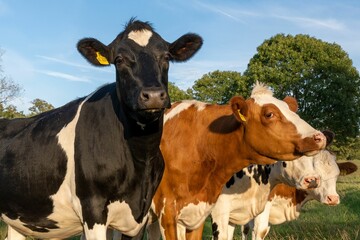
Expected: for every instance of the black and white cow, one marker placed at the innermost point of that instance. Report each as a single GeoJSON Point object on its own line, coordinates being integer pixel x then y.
{"type": "Point", "coordinates": [95, 162]}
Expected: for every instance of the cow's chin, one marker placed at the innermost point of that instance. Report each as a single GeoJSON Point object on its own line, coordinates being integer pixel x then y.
{"type": "Point", "coordinates": [311, 153]}
{"type": "Point", "coordinates": [148, 115]}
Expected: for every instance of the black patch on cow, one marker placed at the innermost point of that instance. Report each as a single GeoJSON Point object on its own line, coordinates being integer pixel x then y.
{"type": "Point", "coordinates": [240, 174]}
{"type": "Point", "coordinates": [261, 174]}
{"type": "Point", "coordinates": [250, 168]}
{"type": "Point", "coordinates": [246, 229]}
{"type": "Point", "coordinates": [44, 226]}
{"type": "Point", "coordinates": [33, 165]}
{"type": "Point", "coordinates": [118, 163]}
{"type": "Point", "coordinates": [230, 182]}
{"type": "Point", "coordinates": [215, 231]}
{"type": "Point", "coordinates": [284, 164]}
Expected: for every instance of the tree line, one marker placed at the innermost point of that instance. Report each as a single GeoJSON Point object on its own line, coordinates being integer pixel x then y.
{"type": "Point", "coordinates": [320, 75]}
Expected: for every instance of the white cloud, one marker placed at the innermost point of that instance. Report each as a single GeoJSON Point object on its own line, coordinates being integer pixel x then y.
{"type": "Point", "coordinates": [52, 59]}
{"type": "Point", "coordinates": [65, 76]}
{"type": "Point", "coordinates": [312, 22]}
{"type": "Point", "coordinates": [219, 10]}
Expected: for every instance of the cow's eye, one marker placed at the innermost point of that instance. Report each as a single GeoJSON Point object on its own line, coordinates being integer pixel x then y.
{"type": "Point", "coordinates": [119, 59]}
{"type": "Point", "coordinates": [269, 115]}
{"type": "Point", "coordinates": [167, 56]}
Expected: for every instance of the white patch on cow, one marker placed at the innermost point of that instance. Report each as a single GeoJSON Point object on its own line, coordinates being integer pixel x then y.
{"type": "Point", "coordinates": [281, 210]}
{"type": "Point", "coordinates": [193, 215]}
{"type": "Point", "coordinates": [185, 104]}
{"type": "Point", "coordinates": [141, 37]}
{"type": "Point", "coordinates": [97, 232]}
{"type": "Point", "coordinates": [263, 95]}
{"type": "Point", "coordinates": [126, 223]}
{"type": "Point", "coordinates": [67, 207]}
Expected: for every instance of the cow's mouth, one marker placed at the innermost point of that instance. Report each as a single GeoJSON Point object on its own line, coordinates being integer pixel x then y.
{"type": "Point", "coordinates": [154, 110]}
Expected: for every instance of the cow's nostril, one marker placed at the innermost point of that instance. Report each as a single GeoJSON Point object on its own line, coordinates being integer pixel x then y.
{"type": "Point", "coordinates": [319, 137]}
{"type": "Point", "coordinates": [145, 96]}
{"type": "Point", "coordinates": [311, 182]}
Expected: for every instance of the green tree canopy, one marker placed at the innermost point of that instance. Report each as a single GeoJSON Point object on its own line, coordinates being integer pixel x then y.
{"type": "Point", "coordinates": [219, 87]}
{"type": "Point", "coordinates": [318, 74]}
{"type": "Point", "coordinates": [176, 94]}
{"type": "Point", "coordinates": [39, 106]}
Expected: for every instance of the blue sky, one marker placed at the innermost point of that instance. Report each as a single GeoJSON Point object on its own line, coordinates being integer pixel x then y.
{"type": "Point", "coordinates": [39, 37]}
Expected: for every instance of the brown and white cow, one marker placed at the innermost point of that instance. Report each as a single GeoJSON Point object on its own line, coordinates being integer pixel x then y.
{"type": "Point", "coordinates": [204, 145]}
{"type": "Point", "coordinates": [245, 197]}
{"type": "Point", "coordinates": [285, 202]}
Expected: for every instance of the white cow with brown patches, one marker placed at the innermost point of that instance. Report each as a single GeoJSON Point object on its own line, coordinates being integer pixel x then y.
{"type": "Point", "coordinates": [285, 203]}
{"type": "Point", "coordinates": [245, 198]}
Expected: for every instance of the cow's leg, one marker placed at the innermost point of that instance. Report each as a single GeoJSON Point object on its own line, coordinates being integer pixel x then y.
{"type": "Point", "coordinates": [96, 233]}
{"type": "Point", "coordinates": [167, 222]}
{"type": "Point", "coordinates": [153, 231]}
{"type": "Point", "coordinates": [261, 223]}
{"type": "Point", "coordinates": [181, 232]}
{"type": "Point", "coordinates": [14, 235]}
{"type": "Point", "coordinates": [230, 231]}
{"type": "Point", "coordinates": [195, 234]}
{"type": "Point", "coordinates": [220, 223]}
{"type": "Point", "coordinates": [245, 229]}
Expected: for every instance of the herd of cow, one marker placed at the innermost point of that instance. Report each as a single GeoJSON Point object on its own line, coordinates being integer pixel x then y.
{"type": "Point", "coordinates": [124, 160]}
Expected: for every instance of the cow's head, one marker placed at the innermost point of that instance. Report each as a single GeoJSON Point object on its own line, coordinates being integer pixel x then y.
{"type": "Point", "coordinates": [329, 171]}
{"type": "Point", "coordinates": [273, 129]}
{"type": "Point", "coordinates": [141, 59]}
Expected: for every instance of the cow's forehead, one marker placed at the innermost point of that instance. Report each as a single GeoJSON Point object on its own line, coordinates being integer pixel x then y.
{"type": "Point", "coordinates": [325, 163]}
{"type": "Point", "coordinates": [141, 37]}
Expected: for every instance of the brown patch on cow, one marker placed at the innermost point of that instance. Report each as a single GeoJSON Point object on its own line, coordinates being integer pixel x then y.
{"type": "Point", "coordinates": [285, 191]}
{"type": "Point", "coordinates": [347, 168]}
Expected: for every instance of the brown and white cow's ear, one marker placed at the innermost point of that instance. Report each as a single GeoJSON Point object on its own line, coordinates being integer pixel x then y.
{"type": "Point", "coordinates": [292, 103]}
{"type": "Point", "coordinates": [94, 51]}
{"type": "Point", "coordinates": [185, 47]}
{"type": "Point", "coordinates": [347, 168]}
{"type": "Point", "coordinates": [329, 136]}
{"type": "Point", "coordinates": [239, 108]}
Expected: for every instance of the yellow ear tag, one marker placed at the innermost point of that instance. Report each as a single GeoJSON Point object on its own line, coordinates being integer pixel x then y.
{"type": "Point", "coordinates": [102, 60]}
{"type": "Point", "coordinates": [242, 117]}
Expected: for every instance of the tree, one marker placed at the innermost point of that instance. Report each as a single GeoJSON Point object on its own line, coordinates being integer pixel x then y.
{"type": "Point", "coordinates": [219, 87]}
{"type": "Point", "coordinates": [10, 111]}
{"type": "Point", "coordinates": [176, 94]}
{"type": "Point", "coordinates": [318, 74]}
{"type": "Point", "coordinates": [8, 88]}
{"type": "Point", "coordinates": [39, 106]}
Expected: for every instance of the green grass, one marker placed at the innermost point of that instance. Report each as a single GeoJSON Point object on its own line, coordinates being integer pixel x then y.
{"type": "Point", "coordinates": [317, 221]}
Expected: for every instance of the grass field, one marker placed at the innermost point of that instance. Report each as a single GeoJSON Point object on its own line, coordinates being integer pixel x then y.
{"type": "Point", "coordinates": [317, 221]}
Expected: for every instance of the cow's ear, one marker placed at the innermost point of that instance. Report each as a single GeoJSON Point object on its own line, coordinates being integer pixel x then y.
{"type": "Point", "coordinates": [239, 108]}
{"type": "Point", "coordinates": [292, 103]}
{"type": "Point", "coordinates": [347, 168]}
{"type": "Point", "coordinates": [185, 47]}
{"type": "Point", "coordinates": [329, 136]}
{"type": "Point", "coordinates": [94, 51]}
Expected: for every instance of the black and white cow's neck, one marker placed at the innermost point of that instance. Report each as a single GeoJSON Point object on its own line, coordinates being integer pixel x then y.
{"type": "Point", "coordinates": [142, 147]}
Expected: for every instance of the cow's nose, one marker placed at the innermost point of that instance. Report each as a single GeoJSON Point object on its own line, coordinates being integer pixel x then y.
{"type": "Point", "coordinates": [320, 139]}
{"type": "Point", "coordinates": [332, 200]}
{"type": "Point", "coordinates": [154, 98]}
{"type": "Point", "coordinates": [311, 182]}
